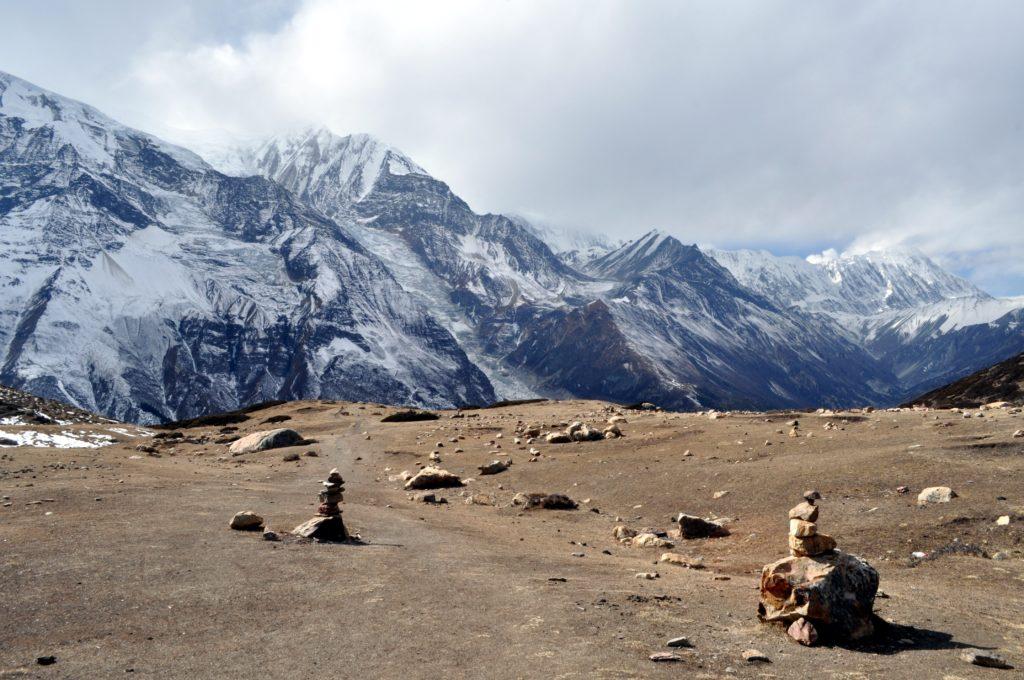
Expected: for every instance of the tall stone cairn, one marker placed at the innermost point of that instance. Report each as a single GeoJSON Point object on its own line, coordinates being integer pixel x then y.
{"type": "Point", "coordinates": [818, 590]}
{"type": "Point", "coordinates": [327, 525]}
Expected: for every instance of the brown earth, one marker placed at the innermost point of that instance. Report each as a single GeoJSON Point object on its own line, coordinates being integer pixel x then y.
{"type": "Point", "coordinates": [128, 565]}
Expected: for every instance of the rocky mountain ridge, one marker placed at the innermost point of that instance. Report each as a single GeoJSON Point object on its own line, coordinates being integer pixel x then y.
{"type": "Point", "coordinates": [335, 266]}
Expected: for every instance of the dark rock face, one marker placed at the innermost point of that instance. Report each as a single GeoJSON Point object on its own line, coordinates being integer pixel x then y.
{"type": "Point", "coordinates": [1002, 382]}
{"type": "Point", "coordinates": [185, 291]}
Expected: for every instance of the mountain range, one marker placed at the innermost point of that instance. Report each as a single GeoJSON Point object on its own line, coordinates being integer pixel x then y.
{"type": "Point", "coordinates": [148, 283]}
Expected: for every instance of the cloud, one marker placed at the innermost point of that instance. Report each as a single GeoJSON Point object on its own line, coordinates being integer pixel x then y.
{"type": "Point", "coordinates": [791, 126]}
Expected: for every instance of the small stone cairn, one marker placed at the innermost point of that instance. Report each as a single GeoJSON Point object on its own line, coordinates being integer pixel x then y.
{"type": "Point", "coordinates": [818, 590]}
{"type": "Point", "coordinates": [327, 525]}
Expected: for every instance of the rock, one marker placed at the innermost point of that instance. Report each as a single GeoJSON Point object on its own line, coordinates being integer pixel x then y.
{"type": "Point", "coordinates": [648, 540]}
{"type": "Point", "coordinates": [330, 529]}
{"type": "Point", "coordinates": [267, 439]}
{"type": "Point", "coordinates": [246, 521]}
{"type": "Point", "coordinates": [479, 499]}
{"type": "Point", "coordinates": [719, 494]}
{"type": "Point", "coordinates": [1018, 434]}
{"type": "Point", "coordinates": [585, 433]}
{"type": "Point", "coordinates": [433, 478]}
{"type": "Point", "coordinates": [46, 660]}
{"type": "Point", "coordinates": [411, 415]}
{"type": "Point", "coordinates": [834, 591]}
{"type": "Point", "coordinates": [557, 501]}
{"type": "Point", "coordinates": [269, 535]}
{"type": "Point", "coordinates": [682, 560]}
{"type": "Point", "coordinates": [802, 529]}
{"type": "Point", "coordinates": [986, 659]}
{"type": "Point", "coordinates": [558, 438]}
{"type": "Point", "coordinates": [694, 527]}
{"type": "Point", "coordinates": [811, 496]}
{"type": "Point", "coordinates": [805, 511]}
{"type": "Point", "coordinates": [493, 468]}
{"type": "Point", "coordinates": [1003, 521]}
{"type": "Point", "coordinates": [754, 656]}
{"type": "Point", "coordinates": [811, 546]}
{"type": "Point", "coordinates": [936, 494]}
{"type": "Point", "coordinates": [679, 642]}
{"type": "Point", "coordinates": [615, 420]}
{"type": "Point", "coordinates": [290, 457]}
{"type": "Point", "coordinates": [622, 533]}
{"type": "Point", "coordinates": [647, 575]}
{"type": "Point", "coordinates": [7, 441]}
{"type": "Point", "coordinates": [430, 497]}
{"type": "Point", "coordinates": [665, 657]}
{"type": "Point", "coordinates": [803, 631]}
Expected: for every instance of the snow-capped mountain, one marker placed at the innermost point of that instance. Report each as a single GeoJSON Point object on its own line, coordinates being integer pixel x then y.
{"type": "Point", "coordinates": [575, 247]}
{"type": "Point", "coordinates": [480, 275]}
{"type": "Point", "coordinates": [141, 283]}
{"type": "Point", "coordinates": [313, 264]}
{"type": "Point", "coordinates": [859, 285]}
{"type": "Point", "coordinates": [683, 319]}
{"type": "Point", "coordinates": [926, 325]}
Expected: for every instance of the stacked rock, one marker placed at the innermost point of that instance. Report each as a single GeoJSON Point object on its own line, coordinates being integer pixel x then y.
{"type": "Point", "coordinates": [818, 588]}
{"type": "Point", "coordinates": [804, 539]}
{"type": "Point", "coordinates": [327, 525]}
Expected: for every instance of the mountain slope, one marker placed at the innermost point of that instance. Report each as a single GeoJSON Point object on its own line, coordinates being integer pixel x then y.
{"type": "Point", "coordinates": [699, 327]}
{"type": "Point", "coordinates": [482, 276]}
{"type": "Point", "coordinates": [184, 290]}
{"type": "Point", "coordinates": [1001, 382]}
{"type": "Point", "coordinates": [923, 324]}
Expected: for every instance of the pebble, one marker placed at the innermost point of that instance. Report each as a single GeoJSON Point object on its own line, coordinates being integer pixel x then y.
{"type": "Point", "coordinates": [679, 642]}
{"type": "Point", "coordinates": [665, 657]}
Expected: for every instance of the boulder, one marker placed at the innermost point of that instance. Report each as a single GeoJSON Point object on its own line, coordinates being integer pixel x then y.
{"type": "Point", "coordinates": [585, 433]}
{"type": "Point", "coordinates": [323, 529]}
{"type": "Point", "coordinates": [835, 592]}
{"type": "Point", "coordinates": [493, 468]}
{"type": "Point", "coordinates": [985, 659]}
{"type": "Point", "coordinates": [409, 416]}
{"type": "Point", "coordinates": [682, 560]}
{"type": "Point", "coordinates": [647, 540]}
{"type": "Point", "coordinates": [622, 533]}
{"type": "Point", "coordinates": [246, 520]}
{"type": "Point", "coordinates": [558, 438]}
{"type": "Point", "coordinates": [935, 494]}
{"type": "Point", "coordinates": [433, 478]}
{"type": "Point", "coordinates": [695, 527]}
{"type": "Point", "coordinates": [264, 440]}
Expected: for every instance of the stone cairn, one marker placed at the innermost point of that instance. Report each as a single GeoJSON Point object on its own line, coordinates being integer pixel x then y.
{"type": "Point", "coordinates": [327, 525]}
{"type": "Point", "coordinates": [818, 590]}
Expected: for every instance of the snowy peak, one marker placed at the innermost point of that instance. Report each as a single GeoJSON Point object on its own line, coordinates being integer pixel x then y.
{"type": "Point", "coordinates": [652, 252]}
{"type": "Point", "coordinates": [58, 123]}
{"type": "Point", "coordinates": [317, 164]}
{"type": "Point", "coordinates": [866, 283]}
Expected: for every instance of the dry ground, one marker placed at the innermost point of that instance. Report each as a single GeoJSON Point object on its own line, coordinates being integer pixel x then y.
{"type": "Point", "coordinates": [128, 566]}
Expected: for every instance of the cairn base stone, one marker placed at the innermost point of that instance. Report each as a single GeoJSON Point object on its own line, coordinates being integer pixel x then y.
{"type": "Point", "coordinates": [323, 529]}
{"type": "Point", "coordinates": [835, 592]}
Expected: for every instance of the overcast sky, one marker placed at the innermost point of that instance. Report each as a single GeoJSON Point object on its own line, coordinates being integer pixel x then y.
{"type": "Point", "coordinates": [791, 126]}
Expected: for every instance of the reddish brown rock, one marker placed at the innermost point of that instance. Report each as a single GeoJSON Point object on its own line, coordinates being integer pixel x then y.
{"type": "Point", "coordinates": [834, 591]}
